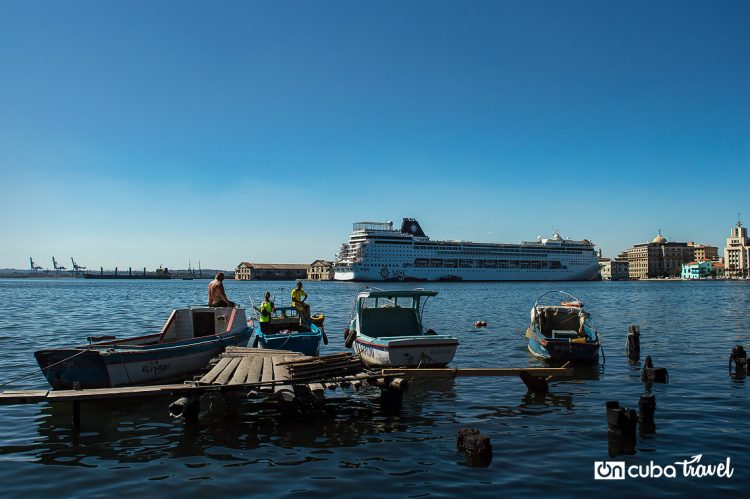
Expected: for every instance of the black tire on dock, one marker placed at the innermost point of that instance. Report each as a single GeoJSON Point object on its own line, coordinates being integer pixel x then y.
{"type": "Point", "coordinates": [349, 338]}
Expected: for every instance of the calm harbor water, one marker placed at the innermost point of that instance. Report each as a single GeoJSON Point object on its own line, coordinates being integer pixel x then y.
{"type": "Point", "coordinates": [544, 445]}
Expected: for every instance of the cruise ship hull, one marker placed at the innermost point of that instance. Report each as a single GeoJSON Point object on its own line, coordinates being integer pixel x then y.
{"type": "Point", "coordinates": [585, 274]}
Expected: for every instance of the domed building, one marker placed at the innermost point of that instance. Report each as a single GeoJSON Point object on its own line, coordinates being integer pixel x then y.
{"type": "Point", "coordinates": [659, 258]}
{"type": "Point", "coordinates": [659, 239]}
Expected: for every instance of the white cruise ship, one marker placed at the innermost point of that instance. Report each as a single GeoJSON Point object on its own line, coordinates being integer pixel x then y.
{"type": "Point", "coordinates": [378, 252]}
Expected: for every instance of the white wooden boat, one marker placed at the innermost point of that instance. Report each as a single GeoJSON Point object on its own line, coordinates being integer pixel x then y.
{"type": "Point", "coordinates": [187, 342]}
{"type": "Point", "coordinates": [386, 331]}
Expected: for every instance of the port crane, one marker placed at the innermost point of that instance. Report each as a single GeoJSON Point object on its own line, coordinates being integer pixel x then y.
{"type": "Point", "coordinates": [76, 267]}
{"type": "Point", "coordinates": [34, 267]}
{"type": "Point", "coordinates": [57, 267]}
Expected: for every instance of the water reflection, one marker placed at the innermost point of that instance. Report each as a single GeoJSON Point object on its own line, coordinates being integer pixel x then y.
{"type": "Point", "coordinates": [140, 430]}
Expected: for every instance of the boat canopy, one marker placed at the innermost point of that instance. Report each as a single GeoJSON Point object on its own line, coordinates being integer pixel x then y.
{"type": "Point", "coordinates": [397, 294]}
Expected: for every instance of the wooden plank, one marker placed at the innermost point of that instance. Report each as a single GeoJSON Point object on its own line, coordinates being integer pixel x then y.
{"type": "Point", "coordinates": [267, 374]}
{"type": "Point", "coordinates": [255, 371]}
{"type": "Point", "coordinates": [225, 375]}
{"type": "Point", "coordinates": [328, 372]}
{"type": "Point", "coordinates": [120, 392]}
{"type": "Point", "coordinates": [479, 371]}
{"type": "Point", "coordinates": [23, 396]}
{"type": "Point", "coordinates": [318, 365]}
{"type": "Point", "coordinates": [240, 374]}
{"type": "Point", "coordinates": [324, 358]}
{"type": "Point", "coordinates": [281, 390]}
{"type": "Point", "coordinates": [215, 371]}
{"type": "Point", "coordinates": [260, 351]}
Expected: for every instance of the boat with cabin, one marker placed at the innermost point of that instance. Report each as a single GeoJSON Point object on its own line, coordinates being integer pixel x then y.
{"type": "Point", "coordinates": [189, 339]}
{"type": "Point", "coordinates": [386, 331]}
{"type": "Point", "coordinates": [289, 332]}
{"type": "Point", "coordinates": [562, 332]}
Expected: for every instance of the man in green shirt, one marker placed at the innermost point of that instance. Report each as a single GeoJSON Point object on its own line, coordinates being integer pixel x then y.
{"type": "Point", "coordinates": [265, 310]}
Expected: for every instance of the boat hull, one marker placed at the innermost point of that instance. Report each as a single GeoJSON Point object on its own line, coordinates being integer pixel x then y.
{"type": "Point", "coordinates": [562, 350]}
{"type": "Point", "coordinates": [356, 273]}
{"type": "Point", "coordinates": [406, 351]}
{"type": "Point", "coordinates": [123, 366]}
{"type": "Point", "coordinates": [304, 342]}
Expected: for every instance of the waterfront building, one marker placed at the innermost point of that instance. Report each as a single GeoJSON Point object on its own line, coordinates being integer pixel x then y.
{"type": "Point", "coordinates": [659, 258]}
{"type": "Point", "coordinates": [247, 271]}
{"type": "Point", "coordinates": [718, 269]}
{"type": "Point", "coordinates": [705, 252]}
{"type": "Point", "coordinates": [320, 270]}
{"type": "Point", "coordinates": [614, 270]}
{"type": "Point", "coordinates": [697, 270]}
{"type": "Point", "coordinates": [737, 252]}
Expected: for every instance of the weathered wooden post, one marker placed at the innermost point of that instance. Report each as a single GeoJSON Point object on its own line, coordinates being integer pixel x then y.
{"type": "Point", "coordinates": [651, 374]}
{"type": "Point", "coordinates": [476, 447]}
{"type": "Point", "coordinates": [738, 357]}
{"type": "Point", "coordinates": [646, 410]}
{"type": "Point", "coordinates": [620, 420]}
{"type": "Point", "coordinates": [633, 343]}
{"type": "Point", "coordinates": [76, 414]}
{"type": "Point", "coordinates": [392, 393]}
{"type": "Point", "coordinates": [621, 425]}
{"type": "Point", "coordinates": [536, 384]}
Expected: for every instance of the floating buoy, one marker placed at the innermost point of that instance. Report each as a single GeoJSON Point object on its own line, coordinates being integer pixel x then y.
{"type": "Point", "coordinates": [479, 324]}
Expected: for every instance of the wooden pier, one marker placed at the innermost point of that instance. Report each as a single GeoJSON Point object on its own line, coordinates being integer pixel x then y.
{"type": "Point", "coordinates": [287, 376]}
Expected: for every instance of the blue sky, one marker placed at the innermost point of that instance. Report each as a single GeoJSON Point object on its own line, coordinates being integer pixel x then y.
{"type": "Point", "coordinates": [142, 133]}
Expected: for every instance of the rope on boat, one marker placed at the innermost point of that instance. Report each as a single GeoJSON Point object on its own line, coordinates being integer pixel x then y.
{"type": "Point", "coordinates": [30, 373]}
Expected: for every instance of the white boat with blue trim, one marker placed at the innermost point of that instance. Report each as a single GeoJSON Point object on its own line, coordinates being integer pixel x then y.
{"type": "Point", "coordinates": [189, 339]}
{"type": "Point", "coordinates": [386, 331]}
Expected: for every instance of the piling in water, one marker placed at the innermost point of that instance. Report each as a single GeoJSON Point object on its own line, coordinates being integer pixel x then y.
{"type": "Point", "coordinates": [654, 374]}
{"type": "Point", "coordinates": [476, 447]}
{"type": "Point", "coordinates": [738, 358]}
{"type": "Point", "coordinates": [621, 422]}
{"type": "Point", "coordinates": [633, 343]}
{"type": "Point", "coordinates": [646, 410]}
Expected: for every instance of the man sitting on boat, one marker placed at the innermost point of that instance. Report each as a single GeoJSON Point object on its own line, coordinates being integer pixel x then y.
{"type": "Point", "coordinates": [217, 297]}
{"type": "Point", "coordinates": [298, 302]}
{"type": "Point", "coordinates": [266, 310]}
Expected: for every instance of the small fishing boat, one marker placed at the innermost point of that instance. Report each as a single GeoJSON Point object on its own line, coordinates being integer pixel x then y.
{"type": "Point", "coordinates": [563, 332]}
{"type": "Point", "coordinates": [386, 330]}
{"type": "Point", "coordinates": [189, 339]}
{"type": "Point", "coordinates": [288, 332]}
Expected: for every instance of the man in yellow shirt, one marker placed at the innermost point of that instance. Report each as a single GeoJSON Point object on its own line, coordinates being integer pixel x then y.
{"type": "Point", "coordinates": [298, 302]}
